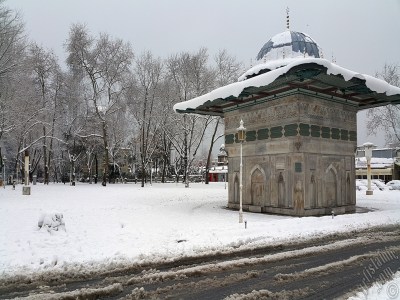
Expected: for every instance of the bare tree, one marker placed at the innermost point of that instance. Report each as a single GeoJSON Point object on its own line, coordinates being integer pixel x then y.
{"type": "Point", "coordinates": [146, 105]}
{"type": "Point", "coordinates": [26, 114]}
{"type": "Point", "coordinates": [192, 77]}
{"type": "Point", "coordinates": [76, 116]}
{"type": "Point", "coordinates": [227, 70]}
{"type": "Point", "coordinates": [387, 118]}
{"type": "Point", "coordinates": [164, 142]}
{"type": "Point", "coordinates": [47, 78]}
{"type": "Point", "coordinates": [12, 39]}
{"type": "Point", "coordinates": [118, 140]}
{"type": "Point", "coordinates": [76, 123]}
{"type": "Point", "coordinates": [105, 63]}
{"type": "Point", "coordinates": [12, 45]}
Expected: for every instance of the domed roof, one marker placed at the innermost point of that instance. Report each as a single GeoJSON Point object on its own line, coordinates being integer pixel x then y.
{"type": "Point", "coordinates": [289, 44]}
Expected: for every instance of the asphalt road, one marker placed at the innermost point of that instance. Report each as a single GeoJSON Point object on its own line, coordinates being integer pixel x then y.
{"type": "Point", "coordinates": [329, 267]}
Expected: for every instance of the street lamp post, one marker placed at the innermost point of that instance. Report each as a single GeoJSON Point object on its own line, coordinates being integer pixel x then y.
{"type": "Point", "coordinates": [241, 132]}
{"type": "Point", "coordinates": [368, 154]}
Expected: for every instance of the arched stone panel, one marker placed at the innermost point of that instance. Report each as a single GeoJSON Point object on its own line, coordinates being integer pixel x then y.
{"type": "Point", "coordinates": [313, 195]}
{"type": "Point", "coordinates": [348, 199]}
{"type": "Point", "coordinates": [298, 198]}
{"type": "Point", "coordinates": [281, 190]}
{"type": "Point", "coordinates": [330, 187]}
{"type": "Point", "coordinates": [236, 189]}
{"type": "Point", "coordinates": [257, 186]}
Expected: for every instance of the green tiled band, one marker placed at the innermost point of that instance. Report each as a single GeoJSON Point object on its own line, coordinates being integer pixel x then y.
{"type": "Point", "coordinates": [291, 130]}
{"type": "Point", "coordinates": [263, 134]}
{"type": "Point", "coordinates": [251, 136]}
{"type": "Point", "coordinates": [276, 132]}
{"type": "Point", "coordinates": [301, 129]}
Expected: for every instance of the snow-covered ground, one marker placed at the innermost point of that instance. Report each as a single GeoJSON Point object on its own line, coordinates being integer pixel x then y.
{"type": "Point", "coordinates": [379, 290]}
{"type": "Point", "coordinates": [124, 223]}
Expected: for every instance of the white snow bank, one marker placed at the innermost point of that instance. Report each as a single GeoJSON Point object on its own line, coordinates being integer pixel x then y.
{"type": "Point", "coordinates": [379, 290]}
{"type": "Point", "coordinates": [234, 89]}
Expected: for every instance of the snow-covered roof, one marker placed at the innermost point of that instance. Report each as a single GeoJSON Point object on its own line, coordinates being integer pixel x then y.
{"type": "Point", "coordinates": [376, 163]}
{"type": "Point", "coordinates": [218, 169]}
{"type": "Point", "coordinates": [308, 74]}
{"type": "Point", "coordinates": [289, 44]}
{"type": "Point", "coordinates": [267, 66]}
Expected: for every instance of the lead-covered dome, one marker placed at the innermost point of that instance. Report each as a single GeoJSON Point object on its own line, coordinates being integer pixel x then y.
{"type": "Point", "coordinates": [289, 44]}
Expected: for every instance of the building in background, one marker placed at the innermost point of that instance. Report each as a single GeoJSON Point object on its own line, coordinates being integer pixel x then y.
{"type": "Point", "coordinates": [385, 164]}
{"type": "Point", "coordinates": [219, 169]}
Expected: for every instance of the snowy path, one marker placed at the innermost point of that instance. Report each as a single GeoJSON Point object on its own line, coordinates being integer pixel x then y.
{"type": "Point", "coordinates": [341, 263]}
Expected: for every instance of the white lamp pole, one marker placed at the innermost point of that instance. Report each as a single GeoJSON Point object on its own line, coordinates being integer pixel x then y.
{"type": "Point", "coordinates": [368, 154]}
{"type": "Point", "coordinates": [241, 136]}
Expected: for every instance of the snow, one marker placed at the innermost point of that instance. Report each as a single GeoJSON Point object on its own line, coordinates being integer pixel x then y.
{"type": "Point", "coordinates": [236, 88]}
{"type": "Point", "coordinates": [269, 65]}
{"type": "Point", "coordinates": [376, 162]}
{"type": "Point", "coordinates": [388, 290]}
{"type": "Point", "coordinates": [218, 169]}
{"type": "Point", "coordinates": [368, 145]}
{"type": "Point", "coordinates": [287, 45]}
{"type": "Point", "coordinates": [123, 224]}
{"type": "Point", "coordinates": [51, 222]}
{"type": "Point", "coordinates": [376, 184]}
{"type": "Point", "coordinates": [282, 38]}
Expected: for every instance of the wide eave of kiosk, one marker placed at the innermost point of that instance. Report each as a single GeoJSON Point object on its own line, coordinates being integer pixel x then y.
{"type": "Point", "coordinates": [316, 77]}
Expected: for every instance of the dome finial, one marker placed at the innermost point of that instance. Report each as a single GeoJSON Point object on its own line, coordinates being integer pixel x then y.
{"type": "Point", "coordinates": [287, 18]}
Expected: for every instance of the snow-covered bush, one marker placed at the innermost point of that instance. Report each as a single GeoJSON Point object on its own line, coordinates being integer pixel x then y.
{"type": "Point", "coordinates": [51, 222]}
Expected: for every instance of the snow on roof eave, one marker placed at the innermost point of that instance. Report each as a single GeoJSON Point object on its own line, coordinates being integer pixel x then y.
{"type": "Point", "coordinates": [267, 66]}
{"type": "Point", "coordinates": [236, 88]}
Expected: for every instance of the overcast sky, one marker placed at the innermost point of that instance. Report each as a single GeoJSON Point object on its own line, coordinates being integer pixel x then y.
{"type": "Point", "coordinates": [362, 35]}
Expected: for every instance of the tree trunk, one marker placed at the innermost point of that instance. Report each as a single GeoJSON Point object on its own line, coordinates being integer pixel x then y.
{"type": "Point", "coordinates": [51, 143]}
{"type": "Point", "coordinates": [164, 158]}
{"type": "Point", "coordinates": [185, 158]}
{"type": "Point", "coordinates": [206, 180]}
{"type": "Point", "coordinates": [163, 171]}
{"type": "Point", "coordinates": [142, 155]}
{"type": "Point", "coordinates": [143, 174]}
{"type": "Point", "coordinates": [106, 158]}
{"type": "Point", "coordinates": [17, 166]}
{"type": "Point", "coordinates": [97, 169]}
{"type": "Point", "coordinates": [46, 169]}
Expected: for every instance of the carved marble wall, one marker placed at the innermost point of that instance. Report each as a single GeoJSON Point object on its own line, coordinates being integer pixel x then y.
{"type": "Point", "coordinates": [298, 157]}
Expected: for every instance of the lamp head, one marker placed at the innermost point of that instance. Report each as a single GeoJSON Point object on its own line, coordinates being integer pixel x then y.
{"type": "Point", "coordinates": [367, 147]}
{"type": "Point", "coordinates": [241, 132]}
